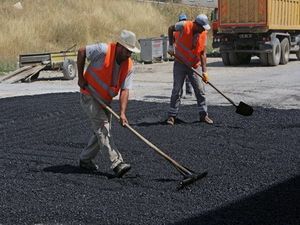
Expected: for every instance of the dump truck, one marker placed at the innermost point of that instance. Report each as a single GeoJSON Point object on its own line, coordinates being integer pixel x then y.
{"type": "Point", "coordinates": [269, 29]}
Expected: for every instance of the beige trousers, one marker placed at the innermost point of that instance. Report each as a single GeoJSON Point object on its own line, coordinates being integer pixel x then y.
{"type": "Point", "coordinates": [102, 138]}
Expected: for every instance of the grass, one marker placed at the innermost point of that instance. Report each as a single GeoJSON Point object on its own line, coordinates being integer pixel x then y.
{"type": "Point", "coordinates": [43, 26]}
{"type": "Point", "coordinates": [7, 66]}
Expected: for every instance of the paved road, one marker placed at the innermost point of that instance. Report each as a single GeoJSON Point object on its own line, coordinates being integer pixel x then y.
{"type": "Point", "coordinates": [277, 87]}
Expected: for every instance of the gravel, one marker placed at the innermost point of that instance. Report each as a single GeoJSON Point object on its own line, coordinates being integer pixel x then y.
{"type": "Point", "coordinates": [252, 162]}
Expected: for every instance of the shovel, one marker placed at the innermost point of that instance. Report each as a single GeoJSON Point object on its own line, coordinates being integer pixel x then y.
{"type": "Point", "coordinates": [242, 108]}
{"type": "Point", "coordinates": [189, 176]}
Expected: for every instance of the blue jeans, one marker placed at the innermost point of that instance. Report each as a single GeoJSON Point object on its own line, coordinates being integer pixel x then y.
{"type": "Point", "coordinates": [188, 86]}
{"type": "Point", "coordinates": [180, 71]}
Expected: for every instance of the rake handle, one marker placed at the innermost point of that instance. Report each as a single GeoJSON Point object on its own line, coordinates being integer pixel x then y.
{"type": "Point", "coordinates": [184, 171]}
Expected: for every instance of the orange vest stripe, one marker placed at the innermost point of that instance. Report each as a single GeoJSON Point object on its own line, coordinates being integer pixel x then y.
{"type": "Point", "coordinates": [101, 83]}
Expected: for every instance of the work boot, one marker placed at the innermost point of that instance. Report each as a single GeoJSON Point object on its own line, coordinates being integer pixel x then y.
{"type": "Point", "coordinates": [121, 169]}
{"type": "Point", "coordinates": [171, 120]}
{"type": "Point", "coordinates": [88, 165]}
{"type": "Point", "coordinates": [206, 119]}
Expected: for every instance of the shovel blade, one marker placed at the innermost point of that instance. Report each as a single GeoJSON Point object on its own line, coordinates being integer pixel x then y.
{"type": "Point", "coordinates": [244, 109]}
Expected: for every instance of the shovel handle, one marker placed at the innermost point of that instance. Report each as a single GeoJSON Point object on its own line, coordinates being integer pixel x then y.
{"type": "Point", "coordinates": [214, 87]}
{"type": "Point", "coordinates": [183, 170]}
{"type": "Point", "coordinates": [196, 72]}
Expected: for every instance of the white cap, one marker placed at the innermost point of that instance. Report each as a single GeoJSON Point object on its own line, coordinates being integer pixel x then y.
{"type": "Point", "coordinates": [202, 20]}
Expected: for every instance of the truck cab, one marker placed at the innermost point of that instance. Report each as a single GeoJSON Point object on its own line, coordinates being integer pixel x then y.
{"type": "Point", "coordinates": [255, 28]}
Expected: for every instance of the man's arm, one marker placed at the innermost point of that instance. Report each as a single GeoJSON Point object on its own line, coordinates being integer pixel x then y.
{"type": "Point", "coordinates": [81, 55]}
{"type": "Point", "coordinates": [203, 60]}
{"type": "Point", "coordinates": [171, 35]}
{"type": "Point", "coordinates": [205, 77]}
{"type": "Point", "coordinates": [124, 95]}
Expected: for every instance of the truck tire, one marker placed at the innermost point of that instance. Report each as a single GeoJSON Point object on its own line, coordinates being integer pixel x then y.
{"type": "Point", "coordinates": [285, 51]}
{"type": "Point", "coordinates": [225, 59]}
{"type": "Point", "coordinates": [244, 58]}
{"type": "Point", "coordinates": [264, 59]}
{"type": "Point", "coordinates": [275, 55]}
{"type": "Point", "coordinates": [233, 58]}
{"type": "Point", "coordinates": [69, 69]}
{"type": "Point", "coordinates": [298, 54]}
{"type": "Point", "coordinates": [225, 56]}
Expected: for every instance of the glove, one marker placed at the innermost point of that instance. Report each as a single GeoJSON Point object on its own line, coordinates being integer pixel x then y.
{"type": "Point", "coordinates": [171, 50]}
{"type": "Point", "coordinates": [205, 77]}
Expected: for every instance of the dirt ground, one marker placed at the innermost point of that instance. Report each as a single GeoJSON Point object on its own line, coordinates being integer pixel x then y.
{"type": "Point", "coordinates": [252, 162]}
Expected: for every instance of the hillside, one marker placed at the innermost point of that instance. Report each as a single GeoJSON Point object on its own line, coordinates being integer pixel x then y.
{"type": "Point", "coordinates": [43, 26]}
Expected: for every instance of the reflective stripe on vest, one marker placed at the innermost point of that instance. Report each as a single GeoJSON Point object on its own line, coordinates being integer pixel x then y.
{"type": "Point", "coordinates": [101, 83]}
{"type": "Point", "coordinates": [184, 48]}
{"type": "Point", "coordinates": [100, 78]}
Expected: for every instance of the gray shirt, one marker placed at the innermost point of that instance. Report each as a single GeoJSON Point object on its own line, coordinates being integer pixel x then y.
{"type": "Point", "coordinates": [96, 54]}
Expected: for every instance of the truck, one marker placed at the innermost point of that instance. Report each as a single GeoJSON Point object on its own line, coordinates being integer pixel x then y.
{"type": "Point", "coordinates": [60, 60]}
{"type": "Point", "coordinates": [31, 64]}
{"type": "Point", "coordinates": [269, 29]}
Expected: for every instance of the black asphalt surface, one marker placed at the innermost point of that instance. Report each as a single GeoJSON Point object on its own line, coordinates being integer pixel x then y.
{"type": "Point", "coordinates": [252, 163]}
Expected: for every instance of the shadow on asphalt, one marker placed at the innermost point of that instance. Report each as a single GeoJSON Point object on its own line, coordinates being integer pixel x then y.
{"type": "Point", "coordinates": [148, 124]}
{"type": "Point", "coordinates": [277, 205]}
{"type": "Point", "coordinates": [69, 169]}
{"type": "Point", "coordinates": [156, 96]}
{"type": "Point", "coordinates": [255, 62]}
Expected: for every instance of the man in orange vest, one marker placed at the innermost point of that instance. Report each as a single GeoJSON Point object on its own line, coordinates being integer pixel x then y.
{"type": "Point", "coordinates": [190, 52]}
{"type": "Point", "coordinates": [109, 72]}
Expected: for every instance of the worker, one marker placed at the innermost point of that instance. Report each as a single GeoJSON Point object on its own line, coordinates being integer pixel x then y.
{"type": "Point", "coordinates": [188, 85]}
{"type": "Point", "coordinates": [190, 52]}
{"type": "Point", "coordinates": [109, 72]}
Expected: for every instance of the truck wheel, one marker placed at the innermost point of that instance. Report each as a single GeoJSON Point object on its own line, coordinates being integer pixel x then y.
{"type": "Point", "coordinates": [69, 69]}
{"type": "Point", "coordinates": [264, 59]}
{"type": "Point", "coordinates": [233, 58]}
{"type": "Point", "coordinates": [298, 54]}
{"type": "Point", "coordinates": [285, 51]}
{"type": "Point", "coordinates": [274, 56]}
{"type": "Point", "coordinates": [244, 58]}
{"type": "Point", "coordinates": [225, 59]}
{"type": "Point", "coordinates": [225, 56]}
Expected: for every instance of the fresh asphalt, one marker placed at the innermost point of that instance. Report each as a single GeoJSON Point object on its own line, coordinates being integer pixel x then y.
{"type": "Point", "coordinates": [252, 163]}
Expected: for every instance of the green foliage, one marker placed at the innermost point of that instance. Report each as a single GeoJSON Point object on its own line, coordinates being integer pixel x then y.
{"type": "Point", "coordinates": [6, 67]}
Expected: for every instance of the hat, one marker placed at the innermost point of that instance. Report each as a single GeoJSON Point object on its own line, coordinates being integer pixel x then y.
{"type": "Point", "coordinates": [128, 40]}
{"type": "Point", "coordinates": [182, 16]}
{"type": "Point", "coordinates": [202, 20]}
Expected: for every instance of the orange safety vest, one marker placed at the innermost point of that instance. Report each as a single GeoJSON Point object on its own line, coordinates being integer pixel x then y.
{"type": "Point", "coordinates": [184, 48]}
{"type": "Point", "coordinates": [100, 78]}
{"type": "Point", "coordinates": [203, 40]}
